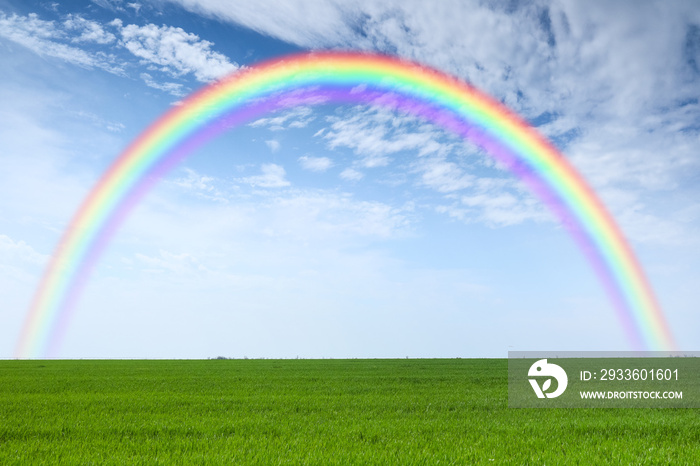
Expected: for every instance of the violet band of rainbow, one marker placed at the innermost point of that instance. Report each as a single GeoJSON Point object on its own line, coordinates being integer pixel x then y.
{"type": "Point", "coordinates": [343, 77]}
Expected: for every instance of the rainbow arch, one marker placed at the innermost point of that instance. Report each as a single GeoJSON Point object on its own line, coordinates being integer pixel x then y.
{"type": "Point", "coordinates": [327, 77]}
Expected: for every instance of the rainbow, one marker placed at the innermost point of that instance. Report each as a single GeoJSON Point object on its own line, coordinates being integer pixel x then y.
{"type": "Point", "coordinates": [342, 77]}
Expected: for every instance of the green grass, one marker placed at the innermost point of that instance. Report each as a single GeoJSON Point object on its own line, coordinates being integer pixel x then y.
{"type": "Point", "coordinates": [312, 412]}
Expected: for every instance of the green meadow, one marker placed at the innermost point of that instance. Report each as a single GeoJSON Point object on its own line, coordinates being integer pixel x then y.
{"type": "Point", "coordinates": [425, 411]}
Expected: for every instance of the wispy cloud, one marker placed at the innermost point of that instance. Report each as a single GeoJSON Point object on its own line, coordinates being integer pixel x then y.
{"type": "Point", "coordinates": [442, 175]}
{"type": "Point", "coordinates": [315, 164]}
{"type": "Point", "coordinates": [35, 183]}
{"type": "Point", "coordinates": [615, 85]}
{"type": "Point", "coordinates": [182, 264]}
{"type": "Point", "coordinates": [469, 185]}
{"type": "Point", "coordinates": [112, 126]}
{"type": "Point", "coordinates": [273, 176]}
{"type": "Point", "coordinates": [333, 215]}
{"type": "Point", "coordinates": [324, 217]}
{"type": "Point", "coordinates": [165, 49]}
{"type": "Point", "coordinates": [298, 117]}
{"type": "Point", "coordinates": [375, 133]}
{"type": "Point", "coordinates": [19, 263]}
{"type": "Point", "coordinates": [171, 88]}
{"type": "Point", "coordinates": [305, 23]}
{"type": "Point", "coordinates": [114, 5]}
{"type": "Point", "coordinates": [175, 51]}
{"type": "Point", "coordinates": [351, 174]}
{"type": "Point", "coordinates": [15, 252]}
{"type": "Point", "coordinates": [135, 6]}
{"type": "Point", "coordinates": [496, 209]}
{"type": "Point", "coordinates": [201, 186]}
{"type": "Point", "coordinates": [273, 144]}
{"type": "Point", "coordinates": [44, 38]}
{"type": "Point", "coordinates": [90, 31]}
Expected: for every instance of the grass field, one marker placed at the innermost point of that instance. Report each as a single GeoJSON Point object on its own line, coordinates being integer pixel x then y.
{"type": "Point", "coordinates": [431, 411]}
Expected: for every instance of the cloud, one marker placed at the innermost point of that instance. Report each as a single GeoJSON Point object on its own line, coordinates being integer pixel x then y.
{"type": "Point", "coordinates": [375, 133]}
{"type": "Point", "coordinates": [351, 174]}
{"type": "Point", "coordinates": [442, 175]}
{"type": "Point", "coordinates": [135, 6]}
{"type": "Point", "coordinates": [19, 253]}
{"type": "Point", "coordinates": [315, 164]}
{"type": "Point", "coordinates": [496, 209]}
{"type": "Point", "coordinates": [112, 126]}
{"type": "Point", "coordinates": [175, 51]}
{"type": "Point", "coordinates": [41, 37]}
{"type": "Point", "coordinates": [305, 23]}
{"type": "Point", "coordinates": [113, 5]}
{"type": "Point", "coordinates": [171, 263]}
{"type": "Point", "coordinates": [90, 31]}
{"type": "Point", "coordinates": [273, 144]}
{"type": "Point", "coordinates": [175, 89]}
{"type": "Point", "coordinates": [475, 41]}
{"type": "Point", "coordinates": [166, 49]}
{"type": "Point", "coordinates": [20, 266]}
{"type": "Point", "coordinates": [328, 215]}
{"type": "Point", "coordinates": [615, 86]}
{"type": "Point", "coordinates": [273, 176]}
{"type": "Point", "coordinates": [578, 69]}
{"type": "Point", "coordinates": [47, 153]}
{"type": "Point", "coordinates": [195, 181]}
{"type": "Point", "coordinates": [201, 186]}
{"type": "Point", "coordinates": [470, 186]}
{"type": "Point", "coordinates": [298, 117]}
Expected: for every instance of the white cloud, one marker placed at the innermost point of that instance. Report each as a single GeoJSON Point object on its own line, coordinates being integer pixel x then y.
{"type": "Point", "coordinates": [195, 181]}
{"type": "Point", "coordinates": [176, 51]}
{"type": "Point", "coordinates": [442, 175]}
{"type": "Point", "coordinates": [41, 37]}
{"type": "Point", "coordinates": [273, 176]}
{"type": "Point", "coordinates": [19, 253]}
{"type": "Point", "coordinates": [202, 186]}
{"type": "Point", "coordinates": [298, 117]}
{"type": "Point", "coordinates": [20, 268]}
{"type": "Point", "coordinates": [303, 215]}
{"type": "Point", "coordinates": [112, 126]}
{"type": "Point", "coordinates": [273, 144]}
{"type": "Point", "coordinates": [351, 174]}
{"type": "Point", "coordinates": [500, 211]}
{"type": "Point", "coordinates": [475, 41]}
{"type": "Point", "coordinates": [504, 209]}
{"type": "Point", "coordinates": [472, 189]}
{"type": "Point", "coordinates": [164, 48]}
{"type": "Point", "coordinates": [373, 133]}
{"type": "Point", "coordinates": [171, 88]}
{"type": "Point", "coordinates": [35, 184]}
{"type": "Point", "coordinates": [328, 215]}
{"type": "Point", "coordinates": [306, 23]}
{"type": "Point", "coordinates": [114, 5]}
{"type": "Point", "coordinates": [172, 263]}
{"type": "Point", "coordinates": [614, 84]}
{"type": "Point", "coordinates": [315, 164]}
{"type": "Point", "coordinates": [496, 202]}
{"type": "Point", "coordinates": [90, 31]}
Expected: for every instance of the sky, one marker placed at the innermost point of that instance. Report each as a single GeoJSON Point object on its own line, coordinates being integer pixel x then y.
{"type": "Point", "coordinates": [346, 231]}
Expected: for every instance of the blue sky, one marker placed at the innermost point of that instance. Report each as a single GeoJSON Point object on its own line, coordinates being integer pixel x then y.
{"type": "Point", "coordinates": [346, 231]}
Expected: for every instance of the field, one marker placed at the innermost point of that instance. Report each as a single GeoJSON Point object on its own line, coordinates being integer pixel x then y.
{"type": "Point", "coordinates": [425, 411]}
